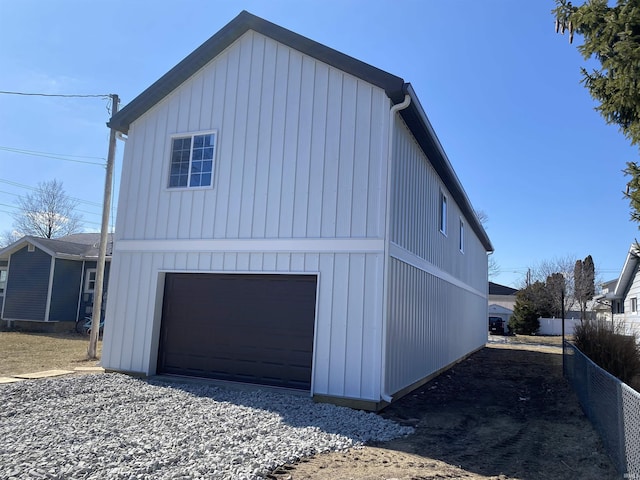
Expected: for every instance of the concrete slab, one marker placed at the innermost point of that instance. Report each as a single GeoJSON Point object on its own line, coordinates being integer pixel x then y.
{"type": "Point", "coordinates": [44, 374]}
{"type": "Point", "coordinates": [9, 379]}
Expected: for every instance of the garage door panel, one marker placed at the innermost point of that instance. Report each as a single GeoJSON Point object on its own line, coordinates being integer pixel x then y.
{"type": "Point", "coordinates": [250, 328]}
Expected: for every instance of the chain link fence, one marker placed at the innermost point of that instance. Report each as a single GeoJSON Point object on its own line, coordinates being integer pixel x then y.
{"type": "Point", "coordinates": [612, 407]}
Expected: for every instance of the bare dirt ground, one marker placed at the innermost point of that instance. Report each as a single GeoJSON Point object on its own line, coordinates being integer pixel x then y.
{"type": "Point", "coordinates": [22, 352]}
{"type": "Point", "coordinates": [506, 412]}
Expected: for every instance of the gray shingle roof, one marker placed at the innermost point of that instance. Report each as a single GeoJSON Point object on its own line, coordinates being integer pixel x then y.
{"type": "Point", "coordinates": [83, 245]}
{"type": "Point", "coordinates": [497, 289]}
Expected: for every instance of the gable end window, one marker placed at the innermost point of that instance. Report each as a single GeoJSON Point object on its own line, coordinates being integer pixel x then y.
{"type": "Point", "coordinates": [634, 304]}
{"type": "Point", "coordinates": [192, 160]}
{"type": "Point", "coordinates": [443, 213]}
{"type": "Point", "coordinates": [461, 237]}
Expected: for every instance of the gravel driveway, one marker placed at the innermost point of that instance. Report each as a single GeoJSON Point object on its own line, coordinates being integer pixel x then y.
{"type": "Point", "coordinates": [113, 426]}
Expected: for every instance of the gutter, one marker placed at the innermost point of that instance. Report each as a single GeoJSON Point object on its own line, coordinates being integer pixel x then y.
{"type": "Point", "coordinates": [384, 395]}
{"type": "Point", "coordinates": [421, 127]}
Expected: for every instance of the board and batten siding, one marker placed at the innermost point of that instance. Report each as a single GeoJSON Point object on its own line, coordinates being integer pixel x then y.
{"type": "Point", "coordinates": [415, 210]}
{"type": "Point", "coordinates": [67, 278]}
{"type": "Point", "coordinates": [288, 164]}
{"type": "Point", "coordinates": [347, 330]}
{"type": "Point", "coordinates": [299, 187]}
{"type": "Point", "coordinates": [437, 310]}
{"type": "Point", "coordinates": [28, 285]}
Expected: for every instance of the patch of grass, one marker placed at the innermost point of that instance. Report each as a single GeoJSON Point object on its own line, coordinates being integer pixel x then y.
{"type": "Point", "coordinates": [22, 352]}
{"type": "Point", "coordinates": [555, 340]}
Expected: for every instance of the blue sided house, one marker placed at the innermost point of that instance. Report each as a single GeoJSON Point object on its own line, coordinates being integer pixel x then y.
{"type": "Point", "coordinates": [47, 284]}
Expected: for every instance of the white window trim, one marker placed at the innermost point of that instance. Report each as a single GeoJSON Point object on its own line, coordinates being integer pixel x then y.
{"type": "Point", "coordinates": [443, 212]}
{"type": "Point", "coordinates": [461, 239]}
{"type": "Point", "coordinates": [3, 286]}
{"type": "Point", "coordinates": [87, 274]}
{"type": "Point", "coordinates": [213, 167]}
{"type": "Point", "coordinates": [634, 304]}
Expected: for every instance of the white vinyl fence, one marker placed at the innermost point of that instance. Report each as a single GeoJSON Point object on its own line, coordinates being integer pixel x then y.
{"type": "Point", "coordinates": [553, 326]}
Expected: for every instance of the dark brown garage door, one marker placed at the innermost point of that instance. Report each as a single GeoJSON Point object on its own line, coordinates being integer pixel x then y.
{"type": "Point", "coordinates": [247, 328]}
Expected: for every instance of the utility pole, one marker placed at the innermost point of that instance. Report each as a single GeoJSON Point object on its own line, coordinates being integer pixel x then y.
{"type": "Point", "coordinates": [563, 332]}
{"type": "Point", "coordinates": [104, 235]}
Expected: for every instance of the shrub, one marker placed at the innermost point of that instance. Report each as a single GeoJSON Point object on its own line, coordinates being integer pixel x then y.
{"type": "Point", "coordinates": [524, 320]}
{"type": "Point", "coordinates": [606, 345]}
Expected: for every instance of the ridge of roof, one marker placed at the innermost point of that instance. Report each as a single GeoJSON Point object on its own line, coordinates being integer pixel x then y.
{"type": "Point", "coordinates": [244, 21]}
{"type": "Point", "coordinates": [79, 246]}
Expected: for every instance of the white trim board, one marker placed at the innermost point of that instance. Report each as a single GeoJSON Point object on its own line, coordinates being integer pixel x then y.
{"type": "Point", "coordinates": [404, 255]}
{"type": "Point", "coordinates": [297, 245]}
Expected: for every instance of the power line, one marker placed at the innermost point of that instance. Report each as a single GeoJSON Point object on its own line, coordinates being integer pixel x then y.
{"type": "Point", "coordinates": [106, 96]}
{"type": "Point", "coordinates": [12, 213]}
{"type": "Point", "coordinates": [18, 195]}
{"type": "Point", "coordinates": [57, 156]}
{"type": "Point", "coordinates": [16, 184]}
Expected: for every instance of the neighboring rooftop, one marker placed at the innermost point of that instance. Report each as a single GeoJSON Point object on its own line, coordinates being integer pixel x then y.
{"type": "Point", "coordinates": [497, 289]}
{"type": "Point", "coordinates": [75, 245]}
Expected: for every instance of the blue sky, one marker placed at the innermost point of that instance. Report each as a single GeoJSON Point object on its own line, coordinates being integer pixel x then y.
{"type": "Point", "coordinates": [501, 89]}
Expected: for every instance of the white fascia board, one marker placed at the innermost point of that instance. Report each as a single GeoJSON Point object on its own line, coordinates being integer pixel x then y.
{"type": "Point", "coordinates": [297, 245]}
{"type": "Point", "coordinates": [21, 243]}
{"type": "Point", "coordinates": [626, 276]}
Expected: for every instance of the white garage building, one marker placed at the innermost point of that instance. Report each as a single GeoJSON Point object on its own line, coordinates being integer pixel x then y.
{"type": "Point", "coordinates": [288, 217]}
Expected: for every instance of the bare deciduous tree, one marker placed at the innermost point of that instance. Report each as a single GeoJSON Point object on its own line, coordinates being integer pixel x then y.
{"type": "Point", "coordinates": [494, 268]}
{"type": "Point", "coordinates": [8, 237]}
{"type": "Point", "coordinates": [562, 265]}
{"type": "Point", "coordinates": [47, 212]}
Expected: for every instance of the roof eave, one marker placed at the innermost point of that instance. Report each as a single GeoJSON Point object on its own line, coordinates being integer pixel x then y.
{"type": "Point", "coordinates": [245, 21]}
{"type": "Point", "coordinates": [394, 87]}
{"type": "Point", "coordinates": [418, 122]}
{"type": "Point", "coordinates": [628, 269]}
{"type": "Point", "coordinates": [18, 244]}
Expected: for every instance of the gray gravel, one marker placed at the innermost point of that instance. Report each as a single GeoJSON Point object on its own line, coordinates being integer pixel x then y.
{"type": "Point", "coordinates": [112, 426]}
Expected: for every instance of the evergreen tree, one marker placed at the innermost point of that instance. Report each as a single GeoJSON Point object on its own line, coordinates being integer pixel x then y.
{"type": "Point", "coordinates": [532, 302]}
{"type": "Point", "coordinates": [584, 279]}
{"type": "Point", "coordinates": [612, 36]}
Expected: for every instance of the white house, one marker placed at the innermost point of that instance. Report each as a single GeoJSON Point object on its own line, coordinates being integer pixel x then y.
{"type": "Point", "coordinates": [287, 216]}
{"type": "Point", "coordinates": [623, 297]}
{"type": "Point", "coordinates": [502, 299]}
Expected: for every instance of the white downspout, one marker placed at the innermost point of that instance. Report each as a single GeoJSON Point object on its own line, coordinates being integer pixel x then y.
{"type": "Point", "coordinates": [52, 269]}
{"type": "Point", "coordinates": [387, 244]}
{"type": "Point", "coordinates": [82, 274]}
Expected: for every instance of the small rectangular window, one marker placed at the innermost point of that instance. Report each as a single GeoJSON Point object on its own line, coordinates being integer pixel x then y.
{"type": "Point", "coordinates": [3, 280]}
{"type": "Point", "coordinates": [31, 248]}
{"type": "Point", "coordinates": [90, 280]}
{"type": "Point", "coordinates": [461, 239]}
{"type": "Point", "coordinates": [634, 304]}
{"type": "Point", "coordinates": [443, 213]}
{"type": "Point", "coordinates": [192, 159]}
